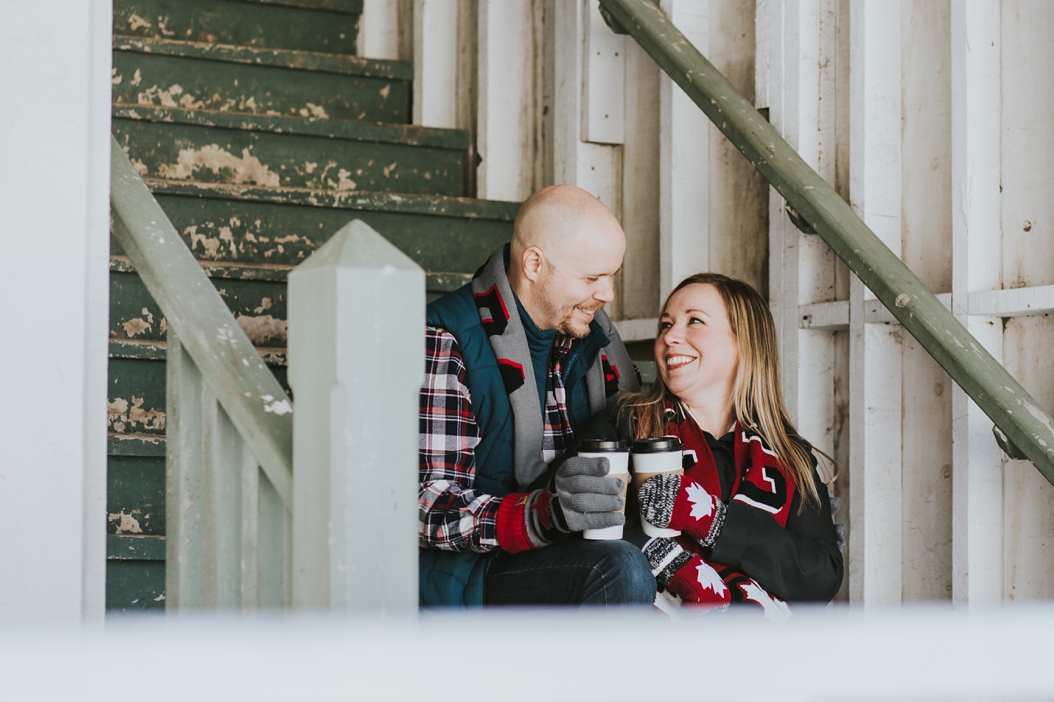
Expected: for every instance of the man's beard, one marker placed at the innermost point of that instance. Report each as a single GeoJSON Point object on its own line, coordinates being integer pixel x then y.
{"type": "Point", "coordinates": [566, 324]}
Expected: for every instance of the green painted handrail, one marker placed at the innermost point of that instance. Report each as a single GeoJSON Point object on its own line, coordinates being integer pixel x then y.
{"type": "Point", "coordinates": [994, 390]}
{"type": "Point", "coordinates": [255, 402]}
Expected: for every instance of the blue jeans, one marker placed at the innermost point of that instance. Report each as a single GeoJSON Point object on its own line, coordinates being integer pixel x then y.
{"type": "Point", "coordinates": [571, 572]}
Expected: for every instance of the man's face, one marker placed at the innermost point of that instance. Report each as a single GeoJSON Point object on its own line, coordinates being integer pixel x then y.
{"type": "Point", "coordinates": [575, 286]}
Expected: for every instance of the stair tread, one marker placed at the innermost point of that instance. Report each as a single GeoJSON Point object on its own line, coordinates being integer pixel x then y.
{"type": "Point", "coordinates": [275, 273]}
{"type": "Point", "coordinates": [350, 7]}
{"type": "Point", "coordinates": [405, 203]}
{"type": "Point", "coordinates": [135, 547]}
{"type": "Point", "coordinates": [352, 130]}
{"type": "Point", "coordinates": [277, 58]}
{"type": "Point", "coordinates": [329, 26]}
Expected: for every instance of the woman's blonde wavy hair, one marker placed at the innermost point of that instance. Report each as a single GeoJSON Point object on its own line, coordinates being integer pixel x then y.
{"type": "Point", "coordinates": [757, 396]}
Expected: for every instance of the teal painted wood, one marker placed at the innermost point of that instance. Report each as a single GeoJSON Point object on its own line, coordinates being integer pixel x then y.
{"type": "Point", "coordinates": [336, 64]}
{"type": "Point", "coordinates": [135, 548]}
{"type": "Point", "coordinates": [356, 353]}
{"type": "Point", "coordinates": [135, 496]}
{"type": "Point", "coordinates": [351, 7]}
{"type": "Point", "coordinates": [432, 206]}
{"type": "Point", "coordinates": [330, 27]}
{"type": "Point", "coordinates": [135, 586]}
{"type": "Point", "coordinates": [259, 307]}
{"type": "Point", "coordinates": [135, 445]}
{"type": "Point", "coordinates": [136, 398]}
{"type": "Point", "coordinates": [282, 227]}
{"type": "Point", "coordinates": [166, 74]}
{"type": "Point", "coordinates": [994, 390]}
{"type": "Point", "coordinates": [195, 147]}
{"type": "Point", "coordinates": [194, 310]}
{"type": "Point", "coordinates": [390, 134]}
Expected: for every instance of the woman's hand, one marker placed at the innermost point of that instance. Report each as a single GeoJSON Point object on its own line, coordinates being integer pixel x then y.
{"type": "Point", "coordinates": [676, 502]}
{"type": "Point", "coordinates": [685, 574]}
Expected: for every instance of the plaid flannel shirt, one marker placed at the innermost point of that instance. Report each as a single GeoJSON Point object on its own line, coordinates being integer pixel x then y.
{"type": "Point", "coordinates": [453, 515]}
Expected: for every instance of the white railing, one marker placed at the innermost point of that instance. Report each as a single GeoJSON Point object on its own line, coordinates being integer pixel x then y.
{"type": "Point", "coordinates": [244, 529]}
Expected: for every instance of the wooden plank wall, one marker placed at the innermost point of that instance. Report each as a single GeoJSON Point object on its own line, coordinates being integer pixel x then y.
{"type": "Point", "coordinates": [930, 118]}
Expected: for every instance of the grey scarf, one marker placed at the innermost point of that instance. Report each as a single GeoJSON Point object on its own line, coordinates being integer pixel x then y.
{"type": "Point", "coordinates": [497, 310]}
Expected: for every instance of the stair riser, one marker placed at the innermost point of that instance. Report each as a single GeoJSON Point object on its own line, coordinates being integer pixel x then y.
{"type": "Point", "coordinates": [135, 586]}
{"type": "Point", "coordinates": [192, 153]}
{"type": "Point", "coordinates": [135, 495]}
{"type": "Point", "coordinates": [248, 232]}
{"type": "Point", "coordinates": [137, 399]}
{"type": "Point", "coordinates": [249, 24]}
{"type": "Point", "coordinates": [191, 83]}
{"type": "Point", "coordinates": [259, 307]}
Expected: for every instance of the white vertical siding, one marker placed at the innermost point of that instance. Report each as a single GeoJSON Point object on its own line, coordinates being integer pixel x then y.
{"type": "Point", "coordinates": [944, 146]}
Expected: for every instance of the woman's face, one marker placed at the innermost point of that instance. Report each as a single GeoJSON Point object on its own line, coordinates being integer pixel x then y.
{"type": "Point", "coordinates": [696, 352]}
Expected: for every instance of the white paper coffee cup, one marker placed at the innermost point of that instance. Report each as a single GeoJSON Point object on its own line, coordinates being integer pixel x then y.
{"type": "Point", "coordinates": [653, 457]}
{"type": "Point", "coordinates": [617, 453]}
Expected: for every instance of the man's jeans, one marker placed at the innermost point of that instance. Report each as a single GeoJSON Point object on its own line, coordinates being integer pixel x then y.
{"type": "Point", "coordinates": [571, 572]}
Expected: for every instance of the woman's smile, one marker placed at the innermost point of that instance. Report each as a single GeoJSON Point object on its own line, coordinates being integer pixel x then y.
{"type": "Point", "coordinates": [674, 362]}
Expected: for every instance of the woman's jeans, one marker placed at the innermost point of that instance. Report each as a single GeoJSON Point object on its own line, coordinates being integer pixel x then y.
{"type": "Point", "coordinates": [571, 572]}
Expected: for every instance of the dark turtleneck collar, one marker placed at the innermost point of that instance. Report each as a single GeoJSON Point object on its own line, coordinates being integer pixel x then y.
{"type": "Point", "coordinates": [576, 363]}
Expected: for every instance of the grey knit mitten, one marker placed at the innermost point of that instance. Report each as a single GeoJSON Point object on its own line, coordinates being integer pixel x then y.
{"type": "Point", "coordinates": [588, 498]}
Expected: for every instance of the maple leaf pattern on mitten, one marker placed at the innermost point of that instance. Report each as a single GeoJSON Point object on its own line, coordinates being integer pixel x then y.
{"type": "Point", "coordinates": [702, 502]}
{"type": "Point", "coordinates": [709, 579]}
{"type": "Point", "coordinates": [676, 502]}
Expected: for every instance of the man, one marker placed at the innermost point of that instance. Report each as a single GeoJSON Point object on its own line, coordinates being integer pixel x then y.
{"type": "Point", "coordinates": [516, 361]}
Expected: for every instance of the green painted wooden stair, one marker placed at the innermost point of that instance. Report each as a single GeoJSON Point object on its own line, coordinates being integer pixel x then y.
{"type": "Point", "coordinates": [260, 134]}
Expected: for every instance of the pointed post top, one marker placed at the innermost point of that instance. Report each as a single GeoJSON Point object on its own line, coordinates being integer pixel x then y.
{"type": "Point", "coordinates": [357, 245]}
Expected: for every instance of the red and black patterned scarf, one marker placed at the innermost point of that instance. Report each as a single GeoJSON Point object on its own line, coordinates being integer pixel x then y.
{"type": "Point", "coordinates": [761, 481]}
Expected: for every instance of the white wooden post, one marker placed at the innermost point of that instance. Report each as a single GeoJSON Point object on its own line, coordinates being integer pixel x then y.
{"type": "Point", "coordinates": [356, 365]}
{"type": "Point", "coordinates": [592, 166]}
{"type": "Point", "coordinates": [379, 29]}
{"type": "Point", "coordinates": [589, 110]}
{"type": "Point", "coordinates": [639, 291]}
{"type": "Point", "coordinates": [604, 81]}
{"type": "Point", "coordinates": [435, 63]}
{"type": "Point", "coordinates": [506, 120]}
{"type": "Point", "coordinates": [977, 485]}
{"type": "Point", "coordinates": [794, 69]}
{"type": "Point", "coordinates": [54, 190]}
{"type": "Point", "coordinates": [684, 161]}
{"type": "Point", "coordinates": [184, 480]}
{"type": "Point", "coordinates": [875, 355]}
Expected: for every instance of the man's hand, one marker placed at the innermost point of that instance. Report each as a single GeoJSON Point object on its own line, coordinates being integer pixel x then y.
{"type": "Point", "coordinates": [580, 496]}
{"type": "Point", "coordinates": [586, 496]}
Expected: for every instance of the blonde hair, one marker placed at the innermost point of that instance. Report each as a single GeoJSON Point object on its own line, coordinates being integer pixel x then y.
{"type": "Point", "coordinates": [757, 396]}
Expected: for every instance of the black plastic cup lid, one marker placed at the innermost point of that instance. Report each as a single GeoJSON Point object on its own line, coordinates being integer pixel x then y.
{"type": "Point", "coordinates": [661, 444]}
{"type": "Point", "coordinates": [603, 446]}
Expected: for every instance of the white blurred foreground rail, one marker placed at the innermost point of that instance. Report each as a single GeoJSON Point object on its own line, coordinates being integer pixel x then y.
{"type": "Point", "coordinates": [915, 653]}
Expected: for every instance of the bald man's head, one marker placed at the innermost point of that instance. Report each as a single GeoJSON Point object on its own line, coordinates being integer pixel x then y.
{"type": "Point", "coordinates": [566, 248]}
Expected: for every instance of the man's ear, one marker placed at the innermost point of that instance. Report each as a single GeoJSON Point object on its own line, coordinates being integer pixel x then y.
{"type": "Point", "coordinates": [533, 260]}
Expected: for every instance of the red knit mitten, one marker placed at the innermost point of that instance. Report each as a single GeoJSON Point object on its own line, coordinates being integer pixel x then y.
{"type": "Point", "coordinates": [675, 502]}
{"type": "Point", "coordinates": [685, 574]}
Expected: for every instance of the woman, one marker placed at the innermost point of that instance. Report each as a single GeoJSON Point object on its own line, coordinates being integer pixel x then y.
{"type": "Point", "coordinates": [755, 517]}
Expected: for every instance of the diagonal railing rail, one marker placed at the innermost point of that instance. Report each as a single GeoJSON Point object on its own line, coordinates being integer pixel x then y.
{"type": "Point", "coordinates": [996, 392]}
{"type": "Point", "coordinates": [230, 428]}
